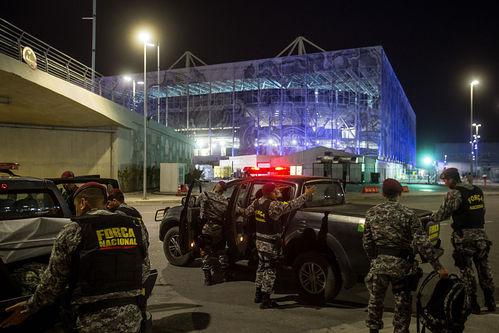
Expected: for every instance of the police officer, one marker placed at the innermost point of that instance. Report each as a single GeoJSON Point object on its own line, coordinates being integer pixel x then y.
{"type": "Point", "coordinates": [69, 190]}
{"type": "Point", "coordinates": [213, 208]}
{"type": "Point", "coordinates": [465, 203]}
{"type": "Point", "coordinates": [116, 203]}
{"type": "Point", "coordinates": [102, 258]}
{"type": "Point", "coordinates": [267, 210]}
{"type": "Point", "coordinates": [391, 234]}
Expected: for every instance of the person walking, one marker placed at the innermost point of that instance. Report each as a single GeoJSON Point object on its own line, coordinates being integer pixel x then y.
{"type": "Point", "coordinates": [465, 204]}
{"type": "Point", "coordinates": [393, 235]}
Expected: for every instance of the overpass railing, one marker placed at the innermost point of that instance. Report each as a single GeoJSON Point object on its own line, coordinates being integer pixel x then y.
{"type": "Point", "coordinates": [52, 61]}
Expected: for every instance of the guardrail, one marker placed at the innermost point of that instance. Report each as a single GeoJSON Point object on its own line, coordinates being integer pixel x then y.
{"type": "Point", "coordinates": [54, 62]}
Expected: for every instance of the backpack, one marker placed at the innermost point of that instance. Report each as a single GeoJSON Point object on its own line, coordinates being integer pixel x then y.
{"type": "Point", "coordinates": [448, 306]}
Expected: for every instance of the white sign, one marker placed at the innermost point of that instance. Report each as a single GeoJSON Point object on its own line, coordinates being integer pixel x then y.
{"type": "Point", "coordinates": [29, 57]}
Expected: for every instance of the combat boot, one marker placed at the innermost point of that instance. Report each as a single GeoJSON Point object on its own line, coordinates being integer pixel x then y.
{"type": "Point", "coordinates": [267, 303]}
{"type": "Point", "coordinates": [208, 279]}
{"type": "Point", "coordinates": [258, 295]}
{"type": "Point", "coordinates": [490, 302]}
{"type": "Point", "coordinates": [475, 307]}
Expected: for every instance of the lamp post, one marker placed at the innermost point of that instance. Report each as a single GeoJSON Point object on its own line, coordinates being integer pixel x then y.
{"type": "Point", "coordinates": [476, 138]}
{"type": "Point", "coordinates": [472, 84]}
{"type": "Point", "coordinates": [145, 38]}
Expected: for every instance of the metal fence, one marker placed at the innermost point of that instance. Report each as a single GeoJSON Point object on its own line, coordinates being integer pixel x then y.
{"type": "Point", "coordinates": [48, 59]}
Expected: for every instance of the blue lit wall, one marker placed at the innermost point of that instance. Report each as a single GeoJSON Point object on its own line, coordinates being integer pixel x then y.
{"type": "Point", "coordinates": [349, 100]}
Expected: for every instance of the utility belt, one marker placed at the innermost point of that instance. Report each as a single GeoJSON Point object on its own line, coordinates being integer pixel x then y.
{"type": "Point", "coordinates": [399, 253]}
{"type": "Point", "coordinates": [107, 303]}
{"type": "Point", "coordinates": [273, 241]}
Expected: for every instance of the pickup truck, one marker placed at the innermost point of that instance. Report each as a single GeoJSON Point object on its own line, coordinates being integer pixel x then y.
{"type": "Point", "coordinates": [321, 242]}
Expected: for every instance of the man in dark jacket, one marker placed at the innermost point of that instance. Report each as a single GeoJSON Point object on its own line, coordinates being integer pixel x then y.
{"type": "Point", "coordinates": [116, 203]}
{"type": "Point", "coordinates": [465, 203]}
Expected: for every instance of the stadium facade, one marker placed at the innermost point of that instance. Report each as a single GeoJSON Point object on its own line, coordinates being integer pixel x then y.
{"type": "Point", "coordinates": [348, 100]}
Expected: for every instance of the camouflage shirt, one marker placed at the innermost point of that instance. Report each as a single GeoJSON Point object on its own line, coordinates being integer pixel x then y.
{"type": "Point", "coordinates": [55, 279]}
{"type": "Point", "coordinates": [213, 206]}
{"type": "Point", "coordinates": [277, 208]}
{"type": "Point", "coordinates": [390, 224]}
{"type": "Point", "coordinates": [450, 204]}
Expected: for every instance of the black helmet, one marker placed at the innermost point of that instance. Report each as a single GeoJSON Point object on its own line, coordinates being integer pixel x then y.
{"type": "Point", "coordinates": [450, 173]}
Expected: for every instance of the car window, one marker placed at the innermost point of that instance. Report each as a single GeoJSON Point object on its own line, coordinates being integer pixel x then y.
{"type": "Point", "coordinates": [26, 204]}
{"type": "Point", "coordinates": [287, 191]}
{"type": "Point", "coordinates": [326, 194]}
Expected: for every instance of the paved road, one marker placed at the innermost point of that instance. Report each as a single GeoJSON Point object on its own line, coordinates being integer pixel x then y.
{"type": "Point", "coordinates": [182, 304]}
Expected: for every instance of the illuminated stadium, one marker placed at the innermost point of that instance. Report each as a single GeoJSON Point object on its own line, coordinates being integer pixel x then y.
{"type": "Point", "coordinates": [348, 100]}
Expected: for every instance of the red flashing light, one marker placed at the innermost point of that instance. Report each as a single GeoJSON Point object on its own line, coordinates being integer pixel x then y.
{"type": "Point", "coordinates": [255, 168]}
{"type": "Point", "coordinates": [4, 186]}
{"type": "Point", "coordinates": [280, 168]}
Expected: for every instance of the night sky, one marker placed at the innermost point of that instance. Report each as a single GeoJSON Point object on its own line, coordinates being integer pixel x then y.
{"type": "Point", "coordinates": [435, 49]}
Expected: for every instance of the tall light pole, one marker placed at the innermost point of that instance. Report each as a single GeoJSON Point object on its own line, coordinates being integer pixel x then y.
{"type": "Point", "coordinates": [94, 30]}
{"type": "Point", "coordinates": [145, 37]}
{"type": "Point", "coordinates": [157, 99]}
{"type": "Point", "coordinates": [476, 138]}
{"type": "Point", "coordinates": [472, 84]}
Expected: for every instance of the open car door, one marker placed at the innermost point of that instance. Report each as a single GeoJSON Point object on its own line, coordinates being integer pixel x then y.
{"type": "Point", "coordinates": [240, 230]}
{"type": "Point", "coordinates": [190, 224]}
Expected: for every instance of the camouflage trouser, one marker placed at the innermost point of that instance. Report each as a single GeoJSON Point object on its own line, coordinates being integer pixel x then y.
{"type": "Point", "coordinates": [267, 266]}
{"type": "Point", "coordinates": [473, 246]}
{"type": "Point", "coordinates": [213, 251]}
{"type": "Point", "coordinates": [126, 318]}
{"type": "Point", "coordinates": [377, 284]}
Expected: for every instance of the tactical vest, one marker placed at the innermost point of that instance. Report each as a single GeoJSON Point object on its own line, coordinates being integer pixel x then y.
{"type": "Point", "coordinates": [471, 212]}
{"type": "Point", "coordinates": [264, 224]}
{"type": "Point", "coordinates": [109, 257]}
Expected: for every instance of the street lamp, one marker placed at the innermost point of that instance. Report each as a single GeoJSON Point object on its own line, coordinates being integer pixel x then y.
{"type": "Point", "coordinates": [476, 138]}
{"type": "Point", "coordinates": [472, 84]}
{"type": "Point", "coordinates": [145, 38]}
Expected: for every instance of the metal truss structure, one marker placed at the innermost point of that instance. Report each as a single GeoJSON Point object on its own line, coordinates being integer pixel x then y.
{"type": "Point", "coordinates": [348, 100]}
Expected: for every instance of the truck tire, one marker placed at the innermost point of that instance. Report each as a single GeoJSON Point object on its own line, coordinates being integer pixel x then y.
{"type": "Point", "coordinates": [172, 250]}
{"type": "Point", "coordinates": [319, 280]}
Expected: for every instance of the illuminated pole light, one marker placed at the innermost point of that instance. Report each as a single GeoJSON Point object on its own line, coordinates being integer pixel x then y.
{"type": "Point", "coordinates": [145, 38]}
{"type": "Point", "coordinates": [472, 84]}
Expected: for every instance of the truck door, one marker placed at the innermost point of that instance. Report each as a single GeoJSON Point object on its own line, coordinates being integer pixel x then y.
{"type": "Point", "coordinates": [190, 224]}
{"type": "Point", "coordinates": [238, 227]}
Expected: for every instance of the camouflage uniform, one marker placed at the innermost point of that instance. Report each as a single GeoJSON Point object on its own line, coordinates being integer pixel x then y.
{"type": "Point", "coordinates": [390, 225]}
{"type": "Point", "coordinates": [266, 245]}
{"type": "Point", "coordinates": [213, 208]}
{"type": "Point", "coordinates": [470, 245]}
{"type": "Point", "coordinates": [55, 279]}
{"type": "Point", "coordinates": [28, 276]}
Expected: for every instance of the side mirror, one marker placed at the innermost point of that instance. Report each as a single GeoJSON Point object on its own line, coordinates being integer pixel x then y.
{"type": "Point", "coordinates": [160, 214]}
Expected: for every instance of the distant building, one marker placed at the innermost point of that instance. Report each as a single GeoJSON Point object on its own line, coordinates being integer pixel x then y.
{"type": "Point", "coordinates": [347, 100]}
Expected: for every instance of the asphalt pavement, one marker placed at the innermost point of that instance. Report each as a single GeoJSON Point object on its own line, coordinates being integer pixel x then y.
{"type": "Point", "coordinates": [180, 302]}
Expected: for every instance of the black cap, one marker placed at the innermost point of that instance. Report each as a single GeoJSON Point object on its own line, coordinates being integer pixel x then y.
{"type": "Point", "coordinates": [450, 173]}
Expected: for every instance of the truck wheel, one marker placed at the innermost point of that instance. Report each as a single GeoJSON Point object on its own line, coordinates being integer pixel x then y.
{"type": "Point", "coordinates": [318, 279]}
{"type": "Point", "coordinates": [171, 247]}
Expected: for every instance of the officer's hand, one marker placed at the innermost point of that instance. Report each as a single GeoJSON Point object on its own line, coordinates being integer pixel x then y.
{"type": "Point", "coordinates": [310, 190]}
{"type": "Point", "coordinates": [17, 316]}
{"type": "Point", "coordinates": [443, 272]}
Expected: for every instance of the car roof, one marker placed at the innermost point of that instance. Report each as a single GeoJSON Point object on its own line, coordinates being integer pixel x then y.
{"type": "Point", "coordinates": [19, 182]}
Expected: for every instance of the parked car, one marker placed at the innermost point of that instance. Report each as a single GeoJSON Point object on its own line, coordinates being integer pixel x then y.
{"type": "Point", "coordinates": [322, 241]}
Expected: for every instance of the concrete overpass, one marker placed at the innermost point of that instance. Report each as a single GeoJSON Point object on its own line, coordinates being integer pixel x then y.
{"type": "Point", "coordinates": [49, 125]}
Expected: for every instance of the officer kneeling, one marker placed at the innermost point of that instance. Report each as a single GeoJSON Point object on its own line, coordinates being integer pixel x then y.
{"type": "Point", "coordinates": [101, 258]}
{"type": "Point", "coordinates": [393, 234]}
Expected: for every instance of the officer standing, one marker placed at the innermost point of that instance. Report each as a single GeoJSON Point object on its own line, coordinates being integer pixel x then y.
{"type": "Point", "coordinates": [465, 203]}
{"type": "Point", "coordinates": [116, 203]}
{"type": "Point", "coordinates": [69, 190]}
{"type": "Point", "coordinates": [96, 240]}
{"type": "Point", "coordinates": [267, 211]}
{"type": "Point", "coordinates": [392, 234]}
{"type": "Point", "coordinates": [213, 208]}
